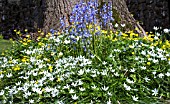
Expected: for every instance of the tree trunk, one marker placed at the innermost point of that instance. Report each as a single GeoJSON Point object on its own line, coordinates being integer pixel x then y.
{"type": "Point", "coordinates": [62, 8]}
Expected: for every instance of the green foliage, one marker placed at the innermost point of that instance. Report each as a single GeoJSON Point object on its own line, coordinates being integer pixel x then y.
{"type": "Point", "coordinates": [123, 68]}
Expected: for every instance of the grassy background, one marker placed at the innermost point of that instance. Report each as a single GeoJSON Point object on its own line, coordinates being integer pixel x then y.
{"type": "Point", "coordinates": [4, 44]}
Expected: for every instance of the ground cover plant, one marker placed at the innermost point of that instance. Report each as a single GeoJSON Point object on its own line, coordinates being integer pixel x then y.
{"type": "Point", "coordinates": [4, 44]}
{"type": "Point", "coordinates": [87, 64]}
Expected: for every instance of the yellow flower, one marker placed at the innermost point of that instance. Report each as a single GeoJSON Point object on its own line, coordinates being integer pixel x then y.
{"type": "Point", "coordinates": [169, 58]}
{"type": "Point", "coordinates": [50, 68]}
{"type": "Point", "coordinates": [115, 39]}
{"type": "Point", "coordinates": [135, 38]}
{"type": "Point", "coordinates": [10, 62]}
{"type": "Point", "coordinates": [150, 39]}
{"type": "Point", "coordinates": [148, 63]}
{"type": "Point", "coordinates": [145, 37]}
{"type": "Point", "coordinates": [163, 47]}
{"type": "Point", "coordinates": [18, 32]}
{"type": "Point", "coordinates": [24, 59]}
{"type": "Point", "coordinates": [75, 102]}
{"type": "Point", "coordinates": [1, 72]}
{"type": "Point", "coordinates": [28, 36]}
{"type": "Point", "coordinates": [24, 39]}
{"type": "Point", "coordinates": [2, 53]}
{"type": "Point", "coordinates": [156, 43]}
{"type": "Point", "coordinates": [39, 31]}
{"type": "Point", "coordinates": [133, 53]}
{"type": "Point", "coordinates": [160, 42]}
{"type": "Point", "coordinates": [25, 43]}
{"type": "Point", "coordinates": [36, 82]}
{"type": "Point", "coordinates": [45, 38]}
{"type": "Point", "coordinates": [26, 30]}
{"type": "Point", "coordinates": [58, 33]}
{"type": "Point", "coordinates": [104, 31]}
{"type": "Point", "coordinates": [17, 67]}
{"type": "Point", "coordinates": [125, 35]}
{"type": "Point", "coordinates": [28, 41]}
{"type": "Point", "coordinates": [48, 60]}
{"type": "Point", "coordinates": [136, 28]}
{"type": "Point", "coordinates": [39, 38]}
{"type": "Point", "coordinates": [167, 43]}
{"type": "Point", "coordinates": [58, 80]}
{"type": "Point", "coordinates": [40, 43]}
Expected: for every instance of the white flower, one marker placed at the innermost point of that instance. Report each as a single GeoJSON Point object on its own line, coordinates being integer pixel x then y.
{"type": "Point", "coordinates": [163, 58]}
{"type": "Point", "coordinates": [123, 25]}
{"type": "Point", "coordinates": [155, 28]}
{"type": "Point", "coordinates": [32, 59]}
{"type": "Point", "coordinates": [157, 34]}
{"type": "Point", "coordinates": [160, 75]}
{"type": "Point", "coordinates": [57, 40]}
{"type": "Point", "coordinates": [54, 92]}
{"type": "Point", "coordinates": [38, 90]}
{"type": "Point", "coordinates": [2, 93]}
{"type": "Point", "coordinates": [147, 79]}
{"type": "Point", "coordinates": [155, 92]}
{"type": "Point", "coordinates": [66, 87]}
{"type": "Point", "coordinates": [19, 88]}
{"type": "Point", "coordinates": [27, 93]}
{"type": "Point", "coordinates": [35, 73]}
{"type": "Point", "coordinates": [28, 52]}
{"type": "Point", "coordinates": [47, 89]}
{"type": "Point", "coordinates": [109, 102]}
{"type": "Point", "coordinates": [104, 63]}
{"type": "Point", "coordinates": [166, 30]}
{"type": "Point", "coordinates": [156, 38]}
{"type": "Point", "coordinates": [93, 75]}
{"type": "Point", "coordinates": [31, 101]}
{"type": "Point", "coordinates": [51, 78]}
{"type": "Point", "coordinates": [132, 70]}
{"type": "Point", "coordinates": [67, 41]}
{"type": "Point", "coordinates": [104, 72]}
{"type": "Point", "coordinates": [109, 93]}
{"type": "Point", "coordinates": [60, 102]}
{"type": "Point", "coordinates": [116, 74]}
{"type": "Point", "coordinates": [94, 87]}
{"type": "Point", "coordinates": [18, 83]}
{"type": "Point", "coordinates": [80, 82]}
{"type": "Point", "coordinates": [71, 91]}
{"type": "Point", "coordinates": [143, 53]}
{"type": "Point", "coordinates": [1, 76]}
{"type": "Point", "coordinates": [75, 97]}
{"type": "Point", "coordinates": [127, 87]}
{"type": "Point", "coordinates": [9, 75]}
{"type": "Point", "coordinates": [136, 58]}
{"type": "Point", "coordinates": [129, 81]}
{"type": "Point", "coordinates": [143, 67]}
{"type": "Point", "coordinates": [91, 102]}
{"type": "Point", "coordinates": [60, 54]}
{"type": "Point", "coordinates": [40, 66]}
{"type": "Point", "coordinates": [81, 72]}
{"type": "Point", "coordinates": [82, 89]}
{"type": "Point", "coordinates": [74, 84]}
{"type": "Point", "coordinates": [116, 25]}
{"type": "Point", "coordinates": [105, 88]}
{"type": "Point", "coordinates": [167, 74]}
{"type": "Point", "coordinates": [155, 60]}
{"type": "Point", "coordinates": [135, 98]}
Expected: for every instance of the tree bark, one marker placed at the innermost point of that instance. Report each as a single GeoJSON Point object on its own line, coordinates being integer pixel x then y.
{"type": "Point", "coordinates": [62, 8]}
